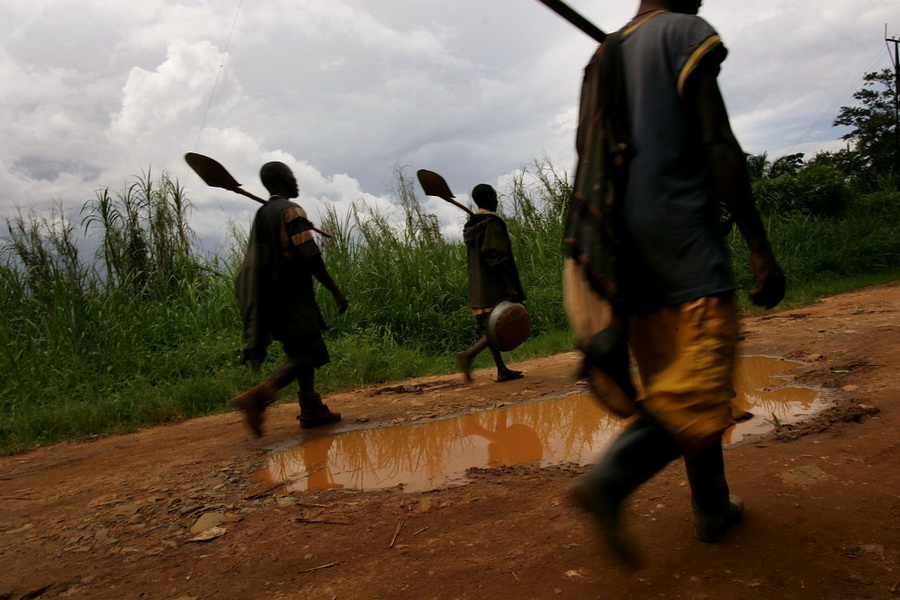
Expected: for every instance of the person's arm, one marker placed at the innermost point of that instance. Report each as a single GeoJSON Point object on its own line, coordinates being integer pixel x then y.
{"type": "Point", "coordinates": [299, 230]}
{"type": "Point", "coordinates": [497, 251]}
{"type": "Point", "coordinates": [731, 180]}
{"type": "Point", "coordinates": [317, 268]}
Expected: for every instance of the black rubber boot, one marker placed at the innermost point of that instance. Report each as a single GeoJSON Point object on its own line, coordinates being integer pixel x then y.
{"type": "Point", "coordinates": [640, 452]}
{"type": "Point", "coordinates": [715, 509]}
{"type": "Point", "coordinates": [314, 412]}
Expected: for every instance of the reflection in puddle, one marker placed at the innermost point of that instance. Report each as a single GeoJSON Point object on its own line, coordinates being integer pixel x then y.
{"type": "Point", "coordinates": [423, 456]}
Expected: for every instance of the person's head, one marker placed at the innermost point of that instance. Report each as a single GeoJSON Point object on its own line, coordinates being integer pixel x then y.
{"type": "Point", "coordinates": [485, 197]}
{"type": "Point", "coordinates": [687, 7]}
{"type": "Point", "coordinates": [279, 179]}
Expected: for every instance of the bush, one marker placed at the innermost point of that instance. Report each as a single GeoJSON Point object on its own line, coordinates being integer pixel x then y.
{"type": "Point", "coordinates": [823, 190]}
{"type": "Point", "coordinates": [814, 190]}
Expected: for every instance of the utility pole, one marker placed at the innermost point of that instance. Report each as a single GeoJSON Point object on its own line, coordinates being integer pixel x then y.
{"type": "Point", "coordinates": [896, 61]}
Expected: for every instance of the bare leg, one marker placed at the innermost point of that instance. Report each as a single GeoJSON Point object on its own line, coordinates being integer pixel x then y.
{"type": "Point", "coordinates": [504, 373]}
{"type": "Point", "coordinates": [498, 360]}
{"type": "Point", "coordinates": [465, 358]}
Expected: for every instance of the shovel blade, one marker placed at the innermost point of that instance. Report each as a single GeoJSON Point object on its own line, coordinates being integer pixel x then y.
{"type": "Point", "coordinates": [211, 171]}
{"type": "Point", "coordinates": [434, 184]}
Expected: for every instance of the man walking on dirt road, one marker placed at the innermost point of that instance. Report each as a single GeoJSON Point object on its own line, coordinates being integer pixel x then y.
{"type": "Point", "coordinates": [674, 272]}
{"type": "Point", "coordinates": [277, 299]}
{"type": "Point", "coordinates": [492, 276]}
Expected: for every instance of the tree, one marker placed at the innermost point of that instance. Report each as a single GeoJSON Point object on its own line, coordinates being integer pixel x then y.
{"type": "Point", "coordinates": [760, 167]}
{"type": "Point", "coordinates": [757, 165]}
{"type": "Point", "coordinates": [789, 164]}
{"type": "Point", "coordinates": [874, 122]}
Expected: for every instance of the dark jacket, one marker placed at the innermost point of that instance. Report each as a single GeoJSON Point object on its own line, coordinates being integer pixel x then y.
{"type": "Point", "coordinates": [492, 269]}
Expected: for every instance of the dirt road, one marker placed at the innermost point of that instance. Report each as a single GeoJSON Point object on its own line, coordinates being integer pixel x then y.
{"type": "Point", "coordinates": [113, 518]}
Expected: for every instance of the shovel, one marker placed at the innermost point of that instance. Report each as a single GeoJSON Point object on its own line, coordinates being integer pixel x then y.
{"type": "Point", "coordinates": [435, 185]}
{"type": "Point", "coordinates": [214, 174]}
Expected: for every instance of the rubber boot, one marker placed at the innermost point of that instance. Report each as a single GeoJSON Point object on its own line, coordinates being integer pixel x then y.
{"type": "Point", "coordinates": [314, 412]}
{"type": "Point", "coordinates": [640, 452]}
{"type": "Point", "coordinates": [715, 509]}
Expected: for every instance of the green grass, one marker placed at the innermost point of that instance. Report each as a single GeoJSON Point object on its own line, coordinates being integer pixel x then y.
{"type": "Point", "coordinates": [147, 330]}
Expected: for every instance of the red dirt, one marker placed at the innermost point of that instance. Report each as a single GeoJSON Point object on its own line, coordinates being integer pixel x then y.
{"type": "Point", "coordinates": [112, 518]}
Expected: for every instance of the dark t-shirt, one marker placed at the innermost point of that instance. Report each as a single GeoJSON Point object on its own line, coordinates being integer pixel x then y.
{"type": "Point", "coordinates": [675, 249]}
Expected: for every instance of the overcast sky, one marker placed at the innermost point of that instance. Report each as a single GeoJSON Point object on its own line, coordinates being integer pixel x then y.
{"type": "Point", "coordinates": [94, 92]}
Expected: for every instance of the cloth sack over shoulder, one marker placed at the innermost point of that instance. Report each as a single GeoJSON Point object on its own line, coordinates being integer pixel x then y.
{"type": "Point", "coordinates": [590, 282]}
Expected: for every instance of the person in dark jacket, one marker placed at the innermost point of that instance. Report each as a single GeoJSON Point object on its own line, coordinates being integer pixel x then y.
{"type": "Point", "coordinates": [277, 299]}
{"type": "Point", "coordinates": [492, 276]}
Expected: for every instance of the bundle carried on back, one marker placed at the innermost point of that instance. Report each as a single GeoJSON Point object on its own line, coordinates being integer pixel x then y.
{"type": "Point", "coordinates": [591, 289]}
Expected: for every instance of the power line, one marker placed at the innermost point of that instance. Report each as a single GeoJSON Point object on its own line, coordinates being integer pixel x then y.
{"type": "Point", "coordinates": [840, 98]}
{"type": "Point", "coordinates": [218, 73]}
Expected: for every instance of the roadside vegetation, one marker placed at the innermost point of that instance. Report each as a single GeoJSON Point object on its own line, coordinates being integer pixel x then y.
{"type": "Point", "coordinates": [146, 330]}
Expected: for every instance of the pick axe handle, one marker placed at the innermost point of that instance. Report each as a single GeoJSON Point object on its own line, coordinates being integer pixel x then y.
{"type": "Point", "coordinates": [569, 14]}
{"type": "Point", "coordinates": [243, 192]}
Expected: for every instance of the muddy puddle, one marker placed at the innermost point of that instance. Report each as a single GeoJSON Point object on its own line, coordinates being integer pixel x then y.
{"type": "Point", "coordinates": [425, 455]}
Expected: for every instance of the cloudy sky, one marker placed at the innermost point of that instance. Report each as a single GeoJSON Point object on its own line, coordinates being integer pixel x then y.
{"type": "Point", "coordinates": [95, 92]}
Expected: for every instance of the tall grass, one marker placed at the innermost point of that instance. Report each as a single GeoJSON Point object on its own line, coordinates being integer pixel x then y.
{"type": "Point", "coordinates": [146, 330]}
{"type": "Point", "coordinates": [863, 239]}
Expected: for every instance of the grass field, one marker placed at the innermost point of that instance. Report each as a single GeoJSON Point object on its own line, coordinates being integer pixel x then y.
{"type": "Point", "coordinates": [148, 332]}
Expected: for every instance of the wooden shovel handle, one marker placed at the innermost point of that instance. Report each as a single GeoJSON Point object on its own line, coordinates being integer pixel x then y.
{"type": "Point", "coordinates": [573, 17]}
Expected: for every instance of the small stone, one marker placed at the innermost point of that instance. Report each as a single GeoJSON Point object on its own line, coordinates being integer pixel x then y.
{"type": "Point", "coordinates": [207, 521]}
{"type": "Point", "coordinates": [804, 475]}
{"type": "Point", "coordinates": [285, 501]}
{"type": "Point", "coordinates": [23, 529]}
{"type": "Point", "coordinates": [210, 534]}
{"type": "Point", "coordinates": [127, 510]}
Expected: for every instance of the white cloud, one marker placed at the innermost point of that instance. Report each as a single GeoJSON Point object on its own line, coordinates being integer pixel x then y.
{"type": "Point", "coordinates": [94, 92]}
{"type": "Point", "coordinates": [164, 97]}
